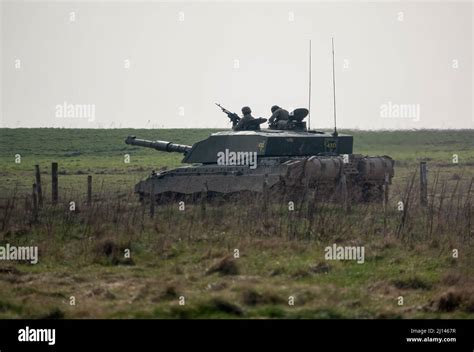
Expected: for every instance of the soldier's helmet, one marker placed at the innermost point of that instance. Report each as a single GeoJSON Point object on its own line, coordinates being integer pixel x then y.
{"type": "Point", "coordinates": [275, 108]}
{"type": "Point", "coordinates": [246, 110]}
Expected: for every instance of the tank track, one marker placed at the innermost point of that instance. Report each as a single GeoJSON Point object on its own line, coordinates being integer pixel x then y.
{"type": "Point", "coordinates": [326, 176]}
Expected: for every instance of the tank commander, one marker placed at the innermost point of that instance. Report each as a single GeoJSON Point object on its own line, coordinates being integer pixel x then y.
{"type": "Point", "coordinates": [279, 118]}
{"type": "Point", "coordinates": [244, 123]}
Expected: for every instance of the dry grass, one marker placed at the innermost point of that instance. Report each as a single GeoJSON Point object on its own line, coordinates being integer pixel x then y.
{"type": "Point", "coordinates": [190, 254]}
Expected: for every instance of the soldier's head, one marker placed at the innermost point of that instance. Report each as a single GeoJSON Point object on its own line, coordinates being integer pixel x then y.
{"type": "Point", "coordinates": [275, 108]}
{"type": "Point", "coordinates": [246, 110]}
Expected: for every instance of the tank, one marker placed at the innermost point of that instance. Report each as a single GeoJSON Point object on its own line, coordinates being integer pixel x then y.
{"type": "Point", "coordinates": [286, 158]}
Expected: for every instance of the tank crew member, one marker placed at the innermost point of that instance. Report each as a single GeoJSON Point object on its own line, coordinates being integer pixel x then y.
{"type": "Point", "coordinates": [279, 118]}
{"type": "Point", "coordinates": [244, 124]}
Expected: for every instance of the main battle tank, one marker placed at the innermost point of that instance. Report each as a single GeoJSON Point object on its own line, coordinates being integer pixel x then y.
{"type": "Point", "coordinates": [289, 160]}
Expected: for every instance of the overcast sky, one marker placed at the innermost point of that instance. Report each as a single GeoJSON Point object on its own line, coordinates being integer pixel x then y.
{"type": "Point", "coordinates": [150, 64]}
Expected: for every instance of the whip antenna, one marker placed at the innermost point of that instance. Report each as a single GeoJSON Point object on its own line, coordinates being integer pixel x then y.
{"type": "Point", "coordinates": [334, 88]}
{"type": "Point", "coordinates": [309, 88]}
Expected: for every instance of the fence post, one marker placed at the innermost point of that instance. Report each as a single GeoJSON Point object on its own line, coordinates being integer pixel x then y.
{"type": "Point", "coordinates": [344, 193]}
{"type": "Point", "coordinates": [386, 190]}
{"type": "Point", "coordinates": [39, 190]}
{"type": "Point", "coordinates": [265, 194]}
{"type": "Point", "coordinates": [423, 183]}
{"type": "Point", "coordinates": [54, 183]}
{"type": "Point", "coordinates": [385, 201]}
{"type": "Point", "coordinates": [35, 203]}
{"type": "Point", "coordinates": [89, 190]}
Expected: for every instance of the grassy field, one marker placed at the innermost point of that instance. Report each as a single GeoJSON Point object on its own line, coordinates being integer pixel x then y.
{"type": "Point", "coordinates": [232, 259]}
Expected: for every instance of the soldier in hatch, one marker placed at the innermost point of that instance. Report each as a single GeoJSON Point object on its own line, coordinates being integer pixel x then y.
{"type": "Point", "coordinates": [244, 123]}
{"type": "Point", "coordinates": [279, 118]}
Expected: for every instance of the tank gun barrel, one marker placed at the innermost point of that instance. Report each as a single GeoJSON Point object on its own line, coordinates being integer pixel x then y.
{"type": "Point", "coordinates": [159, 145]}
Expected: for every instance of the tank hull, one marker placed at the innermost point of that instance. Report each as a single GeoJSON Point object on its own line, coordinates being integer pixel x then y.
{"type": "Point", "coordinates": [361, 176]}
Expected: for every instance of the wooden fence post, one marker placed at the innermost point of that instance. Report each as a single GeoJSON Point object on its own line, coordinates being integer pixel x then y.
{"type": "Point", "coordinates": [39, 190]}
{"type": "Point", "coordinates": [423, 183]}
{"type": "Point", "coordinates": [386, 190]}
{"type": "Point", "coordinates": [54, 183]}
{"type": "Point", "coordinates": [385, 201]}
{"type": "Point", "coordinates": [89, 190]}
{"type": "Point", "coordinates": [35, 203]}
{"type": "Point", "coordinates": [344, 193]}
{"type": "Point", "coordinates": [265, 194]}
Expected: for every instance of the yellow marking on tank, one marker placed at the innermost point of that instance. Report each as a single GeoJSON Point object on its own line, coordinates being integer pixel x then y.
{"type": "Point", "coordinates": [330, 144]}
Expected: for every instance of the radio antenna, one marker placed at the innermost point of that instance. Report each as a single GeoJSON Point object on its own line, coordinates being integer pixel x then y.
{"type": "Point", "coordinates": [309, 88]}
{"type": "Point", "coordinates": [334, 89]}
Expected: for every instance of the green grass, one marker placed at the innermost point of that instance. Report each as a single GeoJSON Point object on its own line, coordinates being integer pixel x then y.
{"type": "Point", "coordinates": [80, 152]}
{"type": "Point", "coordinates": [349, 290]}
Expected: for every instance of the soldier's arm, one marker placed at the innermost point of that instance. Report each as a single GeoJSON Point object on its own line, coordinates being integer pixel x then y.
{"type": "Point", "coordinates": [273, 117]}
{"type": "Point", "coordinates": [239, 125]}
